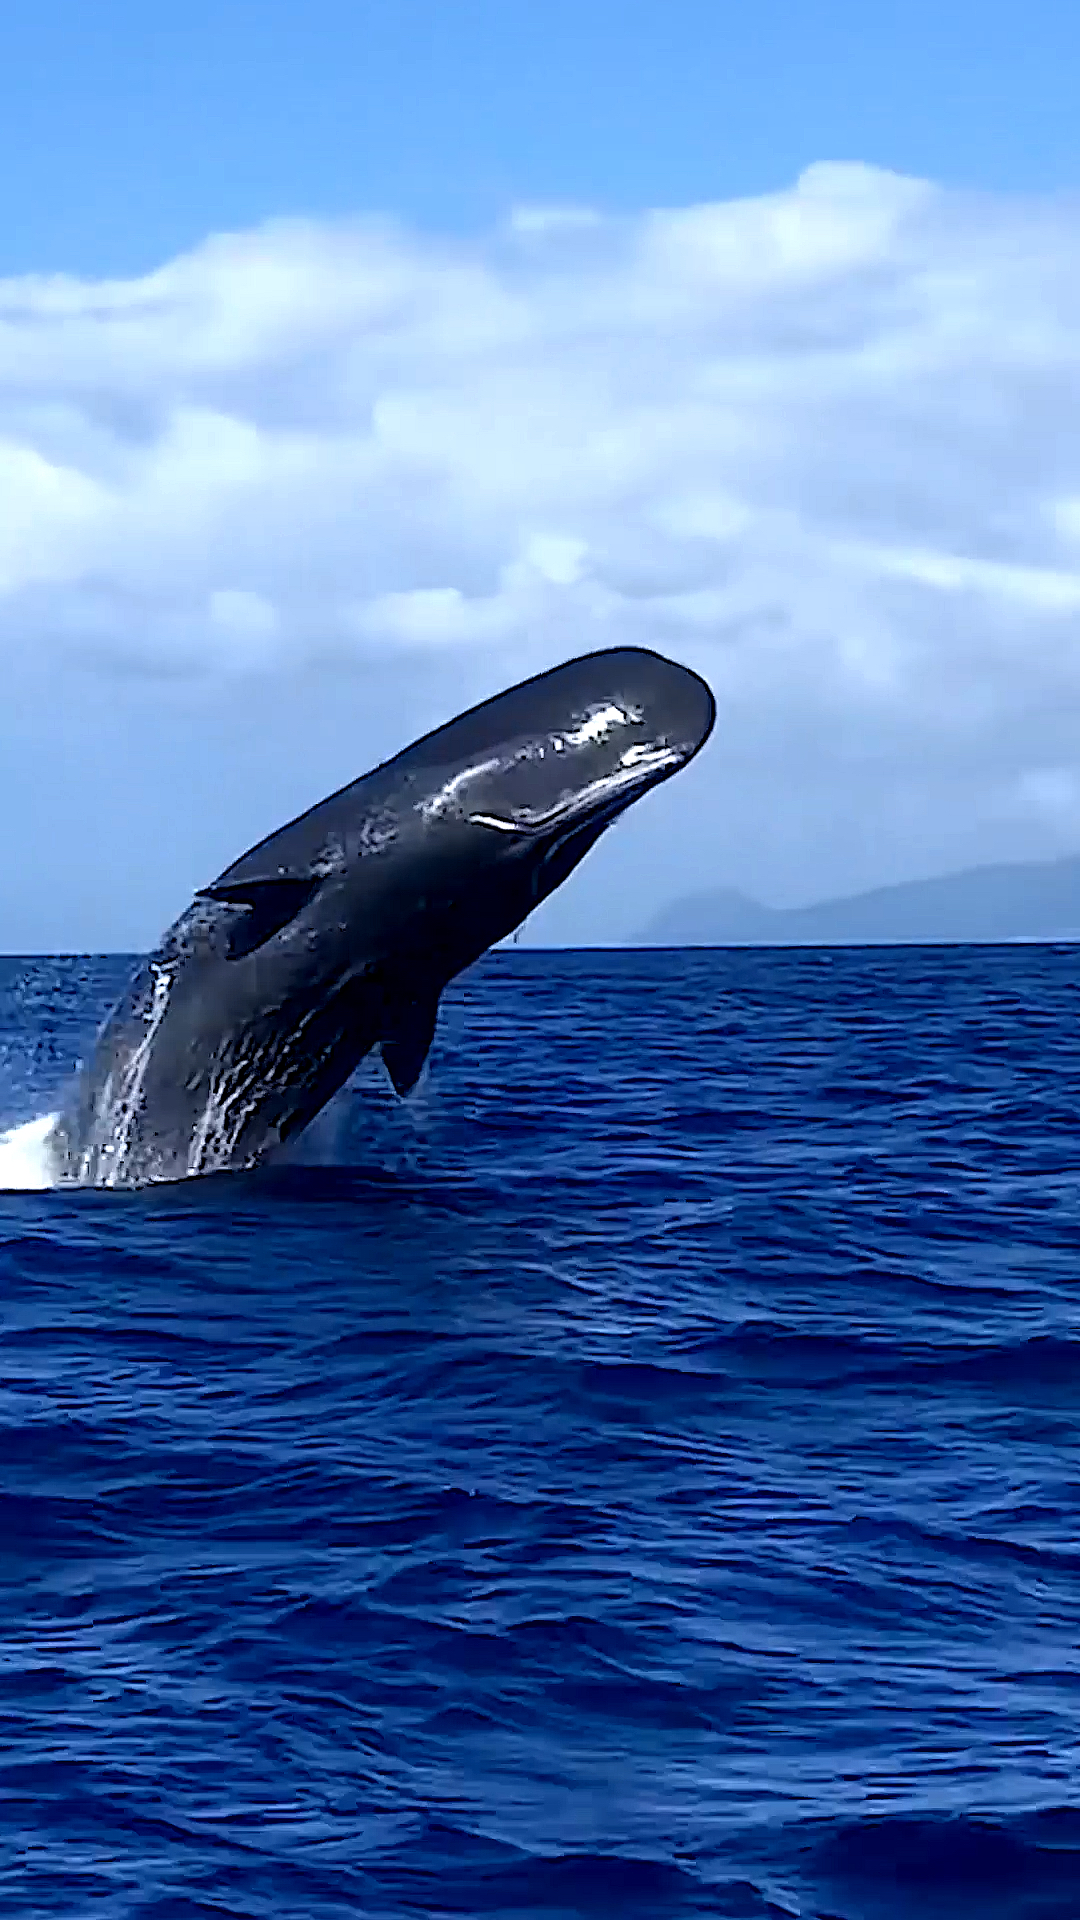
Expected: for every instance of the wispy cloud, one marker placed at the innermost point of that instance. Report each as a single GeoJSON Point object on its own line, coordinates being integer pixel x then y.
{"type": "Point", "coordinates": [824, 444]}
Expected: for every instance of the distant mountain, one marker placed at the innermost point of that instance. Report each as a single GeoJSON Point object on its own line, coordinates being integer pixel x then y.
{"type": "Point", "coordinates": [1033, 900]}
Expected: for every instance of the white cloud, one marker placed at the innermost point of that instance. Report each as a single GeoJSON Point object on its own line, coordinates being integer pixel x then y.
{"type": "Point", "coordinates": [823, 444]}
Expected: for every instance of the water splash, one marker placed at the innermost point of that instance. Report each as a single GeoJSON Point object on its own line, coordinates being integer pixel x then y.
{"type": "Point", "coordinates": [25, 1161]}
{"type": "Point", "coordinates": [103, 1160]}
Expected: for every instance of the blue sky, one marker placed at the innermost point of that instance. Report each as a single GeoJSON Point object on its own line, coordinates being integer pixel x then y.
{"type": "Point", "coordinates": [270, 505]}
{"type": "Point", "coordinates": [128, 131]}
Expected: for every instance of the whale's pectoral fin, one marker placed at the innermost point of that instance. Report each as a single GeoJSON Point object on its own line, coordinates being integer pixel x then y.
{"type": "Point", "coordinates": [270, 905]}
{"type": "Point", "coordinates": [406, 1040]}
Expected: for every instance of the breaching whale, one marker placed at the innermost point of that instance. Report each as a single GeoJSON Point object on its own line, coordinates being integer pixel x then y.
{"type": "Point", "coordinates": [339, 932]}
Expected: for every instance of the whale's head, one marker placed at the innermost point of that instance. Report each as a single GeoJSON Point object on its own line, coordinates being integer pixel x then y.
{"type": "Point", "coordinates": [484, 817]}
{"type": "Point", "coordinates": [597, 733]}
{"type": "Point", "coordinates": [538, 773]}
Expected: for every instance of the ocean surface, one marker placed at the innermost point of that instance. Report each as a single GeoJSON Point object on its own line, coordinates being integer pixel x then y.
{"type": "Point", "coordinates": [639, 1476]}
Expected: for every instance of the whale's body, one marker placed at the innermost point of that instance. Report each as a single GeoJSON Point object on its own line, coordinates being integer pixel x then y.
{"type": "Point", "coordinates": [339, 932]}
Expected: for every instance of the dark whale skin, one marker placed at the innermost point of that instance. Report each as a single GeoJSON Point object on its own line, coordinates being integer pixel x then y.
{"type": "Point", "coordinates": [339, 932]}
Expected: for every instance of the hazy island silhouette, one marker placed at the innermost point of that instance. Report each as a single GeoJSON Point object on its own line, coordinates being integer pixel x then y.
{"type": "Point", "coordinates": [1022, 900]}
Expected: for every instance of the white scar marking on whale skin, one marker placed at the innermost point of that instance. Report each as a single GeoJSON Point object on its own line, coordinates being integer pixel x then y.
{"type": "Point", "coordinates": [597, 724]}
{"type": "Point", "coordinates": [377, 834]}
{"type": "Point", "coordinates": [635, 762]}
{"type": "Point", "coordinates": [492, 820]}
{"type": "Point", "coordinates": [437, 803]}
{"type": "Point", "coordinates": [650, 760]}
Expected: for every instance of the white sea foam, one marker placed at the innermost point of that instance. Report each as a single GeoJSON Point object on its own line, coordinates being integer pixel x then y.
{"type": "Point", "coordinates": [24, 1156]}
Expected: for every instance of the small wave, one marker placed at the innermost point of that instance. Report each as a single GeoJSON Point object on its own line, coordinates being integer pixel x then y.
{"type": "Point", "coordinates": [24, 1156]}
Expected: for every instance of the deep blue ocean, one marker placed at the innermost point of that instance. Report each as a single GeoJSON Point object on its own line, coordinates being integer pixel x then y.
{"type": "Point", "coordinates": [639, 1476]}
